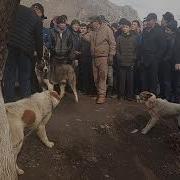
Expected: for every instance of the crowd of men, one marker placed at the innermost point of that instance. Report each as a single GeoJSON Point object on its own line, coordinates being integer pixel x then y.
{"type": "Point", "coordinates": [120, 59]}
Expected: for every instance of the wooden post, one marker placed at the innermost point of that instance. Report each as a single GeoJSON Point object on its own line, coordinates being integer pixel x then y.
{"type": "Point", "coordinates": [7, 163]}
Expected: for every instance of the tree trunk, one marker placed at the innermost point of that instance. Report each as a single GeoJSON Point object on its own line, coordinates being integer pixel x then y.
{"type": "Point", "coordinates": [7, 164]}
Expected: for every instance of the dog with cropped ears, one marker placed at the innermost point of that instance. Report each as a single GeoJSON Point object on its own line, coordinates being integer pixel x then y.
{"type": "Point", "coordinates": [158, 108]}
{"type": "Point", "coordinates": [33, 112]}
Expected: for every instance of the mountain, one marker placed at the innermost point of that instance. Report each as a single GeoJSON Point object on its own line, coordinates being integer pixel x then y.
{"type": "Point", "coordinates": [82, 9]}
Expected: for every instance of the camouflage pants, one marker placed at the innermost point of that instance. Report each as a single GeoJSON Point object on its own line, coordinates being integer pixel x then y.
{"type": "Point", "coordinates": [100, 72]}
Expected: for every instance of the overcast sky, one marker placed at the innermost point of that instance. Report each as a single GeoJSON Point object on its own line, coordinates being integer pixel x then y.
{"type": "Point", "coordinates": [158, 6]}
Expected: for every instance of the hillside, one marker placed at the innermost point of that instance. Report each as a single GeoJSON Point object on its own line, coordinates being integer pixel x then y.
{"type": "Point", "coordinates": [82, 9]}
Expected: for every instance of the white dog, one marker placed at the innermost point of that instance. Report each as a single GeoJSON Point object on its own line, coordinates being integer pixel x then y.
{"type": "Point", "coordinates": [33, 112]}
{"type": "Point", "coordinates": [158, 108]}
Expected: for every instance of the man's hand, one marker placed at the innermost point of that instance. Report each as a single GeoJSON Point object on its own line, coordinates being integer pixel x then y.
{"type": "Point", "coordinates": [177, 67]}
{"type": "Point", "coordinates": [110, 60]}
{"type": "Point", "coordinates": [75, 63]}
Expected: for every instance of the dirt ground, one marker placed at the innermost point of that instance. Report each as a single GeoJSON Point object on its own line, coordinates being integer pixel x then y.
{"type": "Point", "coordinates": [94, 142]}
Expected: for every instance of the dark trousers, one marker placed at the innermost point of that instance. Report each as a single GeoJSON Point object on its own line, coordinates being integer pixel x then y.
{"type": "Point", "coordinates": [138, 79]}
{"type": "Point", "coordinates": [176, 86]}
{"type": "Point", "coordinates": [17, 61]}
{"type": "Point", "coordinates": [150, 78]}
{"type": "Point", "coordinates": [165, 80]}
{"type": "Point", "coordinates": [126, 81]}
{"type": "Point", "coordinates": [86, 80]}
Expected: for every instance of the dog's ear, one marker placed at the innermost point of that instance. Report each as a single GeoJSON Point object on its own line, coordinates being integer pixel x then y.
{"type": "Point", "coordinates": [55, 95]}
{"type": "Point", "coordinates": [151, 102]}
{"type": "Point", "coordinates": [145, 95]}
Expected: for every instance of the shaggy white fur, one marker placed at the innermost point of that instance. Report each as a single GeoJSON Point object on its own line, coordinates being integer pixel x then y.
{"type": "Point", "coordinates": [158, 108]}
{"type": "Point", "coordinates": [33, 112]}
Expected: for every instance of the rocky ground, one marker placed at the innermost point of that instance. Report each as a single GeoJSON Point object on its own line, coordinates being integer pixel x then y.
{"type": "Point", "coordinates": [94, 142]}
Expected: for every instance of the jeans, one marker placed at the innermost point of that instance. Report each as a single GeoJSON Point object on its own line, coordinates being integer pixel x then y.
{"type": "Point", "coordinates": [17, 61]}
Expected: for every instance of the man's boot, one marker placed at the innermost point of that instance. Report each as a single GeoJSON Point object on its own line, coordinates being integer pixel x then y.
{"type": "Point", "coordinates": [101, 99]}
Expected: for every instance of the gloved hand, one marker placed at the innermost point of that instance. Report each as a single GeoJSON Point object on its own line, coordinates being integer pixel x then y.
{"type": "Point", "coordinates": [177, 67]}
{"type": "Point", "coordinates": [110, 60]}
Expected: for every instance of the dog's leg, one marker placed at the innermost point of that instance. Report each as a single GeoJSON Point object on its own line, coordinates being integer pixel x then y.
{"type": "Point", "coordinates": [178, 118]}
{"type": "Point", "coordinates": [17, 140]}
{"type": "Point", "coordinates": [150, 125]}
{"type": "Point", "coordinates": [48, 84]}
{"type": "Point", "coordinates": [73, 87]}
{"type": "Point", "coordinates": [62, 89]}
{"type": "Point", "coordinates": [43, 136]}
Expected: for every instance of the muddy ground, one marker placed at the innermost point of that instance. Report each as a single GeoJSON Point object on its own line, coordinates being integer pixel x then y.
{"type": "Point", "coordinates": [93, 142]}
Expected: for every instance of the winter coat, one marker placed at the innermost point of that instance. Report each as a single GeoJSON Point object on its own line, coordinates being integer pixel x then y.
{"type": "Point", "coordinates": [153, 45]}
{"type": "Point", "coordinates": [26, 32]}
{"type": "Point", "coordinates": [76, 43]}
{"type": "Point", "coordinates": [102, 42]}
{"type": "Point", "coordinates": [127, 49]}
{"type": "Point", "coordinates": [47, 38]}
{"type": "Point", "coordinates": [62, 45]}
{"type": "Point", "coordinates": [177, 48]}
{"type": "Point", "coordinates": [169, 52]}
{"type": "Point", "coordinates": [85, 48]}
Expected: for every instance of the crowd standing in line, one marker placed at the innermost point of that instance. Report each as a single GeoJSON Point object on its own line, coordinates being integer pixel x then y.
{"type": "Point", "coordinates": [119, 59]}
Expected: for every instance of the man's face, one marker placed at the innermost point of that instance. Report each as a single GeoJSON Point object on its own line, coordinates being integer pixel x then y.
{"type": "Point", "coordinates": [134, 26]}
{"type": "Point", "coordinates": [95, 25]}
{"type": "Point", "coordinates": [163, 22]}
{"type": "Point", "coordinates": [151, 23]}
{"type": "Point", "coordinates": [83, 30]}
{"type": "Point", "coordinates": [126, 29]}
{"type": "Point", "coordinates": [62, 26]}
{"type": "Point", "coordinates": [144, 24]}
{"type": "Point", "coordinates": [38, 12]}
{"type": "Point", "coordinates": [75, 27]}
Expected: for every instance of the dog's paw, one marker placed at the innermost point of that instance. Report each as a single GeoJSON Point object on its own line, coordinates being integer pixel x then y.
{"type": "Point", "coordinates": [50, 144]}
{"type": "Point", "coordinates": [144, 131]}
{"type": "Point", "coordinates": [19, 171]}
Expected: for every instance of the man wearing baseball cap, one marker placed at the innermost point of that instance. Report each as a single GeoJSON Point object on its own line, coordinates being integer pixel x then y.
{"type": "Point", "coordinates": [103, 49]}
{"type": "Point", "coordinates": [153, 48]}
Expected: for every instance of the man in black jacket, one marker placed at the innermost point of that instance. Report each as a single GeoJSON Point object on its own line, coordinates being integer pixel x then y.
{"type": "Point", "coordinates": [153, 48]}
{"type": "Point", "coordinates": [177, 67]}
{"type": "Point", "coordinates": [167, 64]}
{"type": "Point", "coordinates": [62, 51]}
{"type": "Point", "coordinates": [24, 39]}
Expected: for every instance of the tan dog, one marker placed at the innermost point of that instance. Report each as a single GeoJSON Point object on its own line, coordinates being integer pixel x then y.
{"type": "Point", "coordinates": [158, 108]}
{"type": "Point", "coordinates": [62, 75]}
{"type": "Point", "coordinates": [33, 112]}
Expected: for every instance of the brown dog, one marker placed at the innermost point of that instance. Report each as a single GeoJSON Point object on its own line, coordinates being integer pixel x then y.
{"type": "Point", "coordinates": [64, 74]}
{"type": "Point", "coordinates": [158, 108]}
